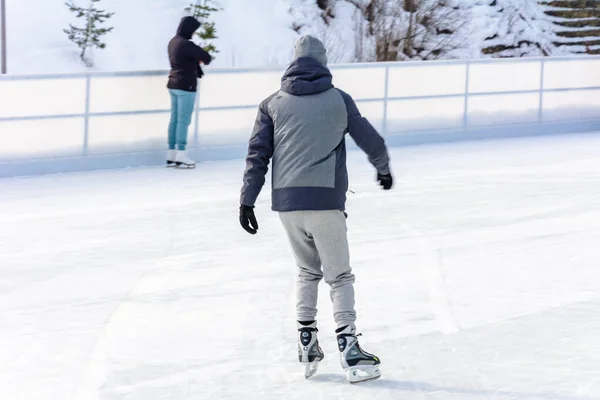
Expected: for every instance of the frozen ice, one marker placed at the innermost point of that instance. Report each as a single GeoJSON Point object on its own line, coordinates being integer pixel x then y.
{"type": "Point", "coordinates": [477, 278]}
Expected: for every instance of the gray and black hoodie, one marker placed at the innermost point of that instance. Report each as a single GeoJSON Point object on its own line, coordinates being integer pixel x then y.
{"type": "Point", "coordinates": [302, 127]}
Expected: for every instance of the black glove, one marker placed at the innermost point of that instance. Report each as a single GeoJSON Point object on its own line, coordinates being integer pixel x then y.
{"type": "Point", "coordinates": [248, 219]}
{"type": "Point", "coordinates": [385, 181]}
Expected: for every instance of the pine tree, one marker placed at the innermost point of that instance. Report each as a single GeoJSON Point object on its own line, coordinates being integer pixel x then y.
{"type": "Point", "coordinates": [208, 31]}
{"type": "Point", "coordinates": [89, 36]}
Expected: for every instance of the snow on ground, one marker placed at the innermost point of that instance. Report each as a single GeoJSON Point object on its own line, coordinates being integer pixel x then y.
{"type": "Point", "coordinates": [251, 33]}
{"type": "Point", "coordinates": [477, 278]}
{"type": "Point", "coordinates": [254, 33]}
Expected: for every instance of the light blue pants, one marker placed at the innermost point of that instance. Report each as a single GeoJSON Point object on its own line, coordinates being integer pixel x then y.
{"type": "Point", "coordinates": [182, 108]}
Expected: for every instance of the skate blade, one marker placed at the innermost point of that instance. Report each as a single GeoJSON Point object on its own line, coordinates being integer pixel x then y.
{"type": "Point", "coordinates": [363, 373]}
{"type": "Point", "coordinates": [310, 369]}
{"type": "Point", "coordinates": [184, 166]}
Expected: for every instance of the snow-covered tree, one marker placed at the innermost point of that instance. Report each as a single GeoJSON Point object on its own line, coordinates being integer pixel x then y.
{"type": "Point", "coordinates": [411, 29]}
{"type": "Point", "coordinates": [510, 28]}
{"type": "Point", "coordinates": [386, 30]}
{"type": "Point", "coordinates": [390, 30]}
{"type": "Point", "coordinates": [88, 36]}
{"type": "Point", "coordinates": [202, 11]}
{"type": "Point", "coordinates": [320, 19]}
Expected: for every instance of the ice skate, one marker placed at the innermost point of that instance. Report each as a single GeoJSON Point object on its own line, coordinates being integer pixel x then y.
{"type": "Point", "coordinates": [182, 160]}
{"type": "Point", "coordinates": [309, 351]}
{"type": "Point", "coordinates": [359, 365]}
{"type": "Point", "coordinates": [171, 158]}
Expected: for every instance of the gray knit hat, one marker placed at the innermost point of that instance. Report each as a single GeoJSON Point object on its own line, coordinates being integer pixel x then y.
{"type": "Point", "coordinates": [310, 46]}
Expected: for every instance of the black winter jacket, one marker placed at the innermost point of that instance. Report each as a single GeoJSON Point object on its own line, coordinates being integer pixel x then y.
{"type": "Point", "coordinates": [184, 56]}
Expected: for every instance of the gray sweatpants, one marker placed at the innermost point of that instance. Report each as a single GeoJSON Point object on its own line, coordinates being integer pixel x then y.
{"type": "Point", "coordinates": [319, 238]}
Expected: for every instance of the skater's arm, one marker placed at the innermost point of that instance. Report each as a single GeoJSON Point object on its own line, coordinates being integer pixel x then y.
{"type": "Point", "coordinates": [260, 151]}
{"type": "Point", "coordinates": [366, 137]}
{"type": "Point", "coordinates": [198, 53]}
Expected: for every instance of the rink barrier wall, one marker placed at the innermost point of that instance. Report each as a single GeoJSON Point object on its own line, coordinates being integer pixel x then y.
{"type": "Point", "coordinates": [68, 122]}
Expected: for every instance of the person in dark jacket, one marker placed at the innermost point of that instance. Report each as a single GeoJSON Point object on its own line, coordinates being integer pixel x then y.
{"type": "Point", "coordinates": [302, 128]}
{"type": "Point", "coordinates": [185, 58]}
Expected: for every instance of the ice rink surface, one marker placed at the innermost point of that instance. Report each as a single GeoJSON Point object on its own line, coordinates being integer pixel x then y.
{"type": "Point", "coordinates": [478, 277]}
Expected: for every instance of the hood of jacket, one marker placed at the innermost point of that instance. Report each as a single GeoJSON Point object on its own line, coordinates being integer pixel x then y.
{"type": "Point", "coordinates": [187, 27]}
{"type": "Point", "coordinates": [306, 76]}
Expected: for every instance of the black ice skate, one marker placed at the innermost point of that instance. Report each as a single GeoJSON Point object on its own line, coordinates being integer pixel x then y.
{"type": "Point", "coordinates": [309, 351]}
{"type": "Point", "coordinates": [359, 365]}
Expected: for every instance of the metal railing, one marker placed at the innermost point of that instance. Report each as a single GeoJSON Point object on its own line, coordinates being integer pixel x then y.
{"type": "Point", "coordinates": [390, 88]}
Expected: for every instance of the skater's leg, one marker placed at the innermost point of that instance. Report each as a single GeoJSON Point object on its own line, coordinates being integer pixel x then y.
{"type": "Point", "coordinates": [330, 232]}
{"type": "Point", "coordinates": [330, 235]}
{"type": "Point", "coordinates": [185, 110]}
{"type": "Point", "coordinates": [173, 121]}
{"type": "Point", "coordinates": [309, 265]}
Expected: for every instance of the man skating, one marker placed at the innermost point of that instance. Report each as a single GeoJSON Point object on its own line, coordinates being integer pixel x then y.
{"type": "Point", "coordinates": [302, 128]}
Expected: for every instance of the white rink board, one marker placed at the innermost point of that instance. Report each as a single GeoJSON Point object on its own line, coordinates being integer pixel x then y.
{"type": "Point", "coordinates": [130, 111]}
{"type": "Point", "coordinates": [41, 97]}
